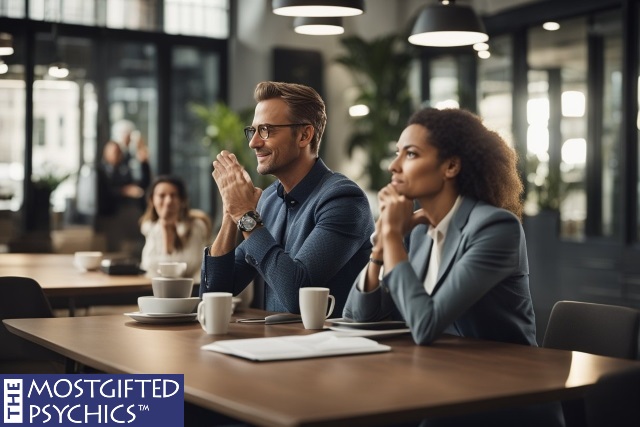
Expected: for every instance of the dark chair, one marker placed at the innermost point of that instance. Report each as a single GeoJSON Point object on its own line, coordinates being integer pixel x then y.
{"type": "Point", "coordinates": [606, 330]}
{"type": "Point", "coordinates": [615, 400]}
{"type": "Point", "coordinates": [20, 298]}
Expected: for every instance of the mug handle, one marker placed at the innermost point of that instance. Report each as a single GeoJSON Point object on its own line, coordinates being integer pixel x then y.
{"type": "Point", "coordinates": [201, 317]}
{"type": "Point", "coordinates": [333, 304]}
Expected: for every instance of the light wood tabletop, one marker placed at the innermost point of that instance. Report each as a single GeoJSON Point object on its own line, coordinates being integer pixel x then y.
{"type": "Point", "coordinates": [452, 376]}
{"type": "Point", "coordinates": [58, 276]}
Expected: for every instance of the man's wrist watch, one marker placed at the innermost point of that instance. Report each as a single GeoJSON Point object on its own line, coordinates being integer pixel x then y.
{"type": "Point", "coordinates": [249, 221]}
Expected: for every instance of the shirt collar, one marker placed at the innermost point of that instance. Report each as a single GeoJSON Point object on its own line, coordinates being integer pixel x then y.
{"type": "Point", "coordinates": [304, 188]}
{"type": "Point", "coordinates": [443, 226]}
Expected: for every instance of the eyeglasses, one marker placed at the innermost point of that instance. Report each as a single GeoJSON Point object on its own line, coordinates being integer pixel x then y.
{"type": "Point", "coordinates": [265, 129]}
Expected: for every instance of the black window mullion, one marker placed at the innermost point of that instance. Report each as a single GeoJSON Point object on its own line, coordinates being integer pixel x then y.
{"type": "Point", "coordinates": [595, 91]}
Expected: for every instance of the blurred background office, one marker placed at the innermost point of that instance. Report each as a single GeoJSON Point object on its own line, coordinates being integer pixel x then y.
{"type": "Point", "coordinates": [557, 79]}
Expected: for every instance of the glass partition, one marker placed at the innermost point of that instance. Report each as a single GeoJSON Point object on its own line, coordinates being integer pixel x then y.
{"type": "Point", "coordinates": [495, 88]}
{"type": "Point", "coordinates": [195, 72]}
{"type": "Point", "coordinates": [64, 115]}
{"type": "Point", "coordinates": [557, 124]}
{"type": "Point", "coordinates": [12, 119]}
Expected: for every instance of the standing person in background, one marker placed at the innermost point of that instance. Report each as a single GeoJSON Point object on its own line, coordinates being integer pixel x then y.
{"type": "Point", "coordinates": [459, 264]}
{"type": "Point", "coordinates": [173, 231]}
{"type": "Point", "coordinates": [309, 228]}
{"type": "Point", "coordinates": [120, 200]}
{"type": "Point", "coordinates": [133, 146]}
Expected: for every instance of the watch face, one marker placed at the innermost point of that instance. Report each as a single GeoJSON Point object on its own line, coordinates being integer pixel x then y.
{"type": "Point", "coordinates": [248, 223]}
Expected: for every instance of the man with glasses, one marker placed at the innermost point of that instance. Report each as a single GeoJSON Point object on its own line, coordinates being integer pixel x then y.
{"type": "Point", "coordinates": [309, 228]}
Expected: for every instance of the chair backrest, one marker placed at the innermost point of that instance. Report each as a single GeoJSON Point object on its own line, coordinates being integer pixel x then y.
{"type": "Point", "coordinates": [20, 298]}
{"type": "Point", "coordinates": [614, 400]}
{"type": "Point", "coordinates": [606, 330]}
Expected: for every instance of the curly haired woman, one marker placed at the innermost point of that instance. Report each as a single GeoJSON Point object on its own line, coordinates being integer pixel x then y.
{"type": "Point", "coordinates": [459, 264]}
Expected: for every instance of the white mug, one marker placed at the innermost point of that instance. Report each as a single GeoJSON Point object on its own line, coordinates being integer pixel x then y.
{"type": "Point", "coordinates": [313, 306]}
{"type": "Point", "coordinates": [214, 312]}
{"type": "Point", "coordinates": [171, 269]}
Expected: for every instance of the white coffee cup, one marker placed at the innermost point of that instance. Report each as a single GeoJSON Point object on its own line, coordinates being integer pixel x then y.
{"type": "Point", "coordinates": [87, 260]}
{"type": "Point", "coordinates": [172, 269]}
{"type": "Point", "coordinates": [214, 312]}
{"type": "Point", "coordinates": [313, 306]}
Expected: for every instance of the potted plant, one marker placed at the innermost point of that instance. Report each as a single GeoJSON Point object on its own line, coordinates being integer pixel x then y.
{"type": "Point", "coordinates": [42, 185]}
{"type": "Point", "coordinates": [380, 68]}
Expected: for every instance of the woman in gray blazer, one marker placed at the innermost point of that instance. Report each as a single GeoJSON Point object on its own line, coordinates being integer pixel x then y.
{"type": "Point", "coordinates": [458, 264]}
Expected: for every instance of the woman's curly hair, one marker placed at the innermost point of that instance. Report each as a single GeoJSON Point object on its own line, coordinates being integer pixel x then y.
{"type": "Point", "coordinates": [488, 166]}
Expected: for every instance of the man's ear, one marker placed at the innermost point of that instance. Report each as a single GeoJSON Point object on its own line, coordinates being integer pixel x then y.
{"type": "Point", "coordinates": [306, 136]}
{"type": "Point", "coordinates": [452, 167]}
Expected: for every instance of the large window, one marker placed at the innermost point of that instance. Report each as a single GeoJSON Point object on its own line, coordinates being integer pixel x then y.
{"type": "Point", "coordinates": [65, 90]}
{"type": "Point", "coordinates": [495, 88]}
{"type": "Point", "coordinates": [193, 70]}
{"type": "Point", "coordinates": [574, 117]}
{"type": "Point", "coordinates": [12, 120]}
{"type": "Point", "coordinates": [207, 18]}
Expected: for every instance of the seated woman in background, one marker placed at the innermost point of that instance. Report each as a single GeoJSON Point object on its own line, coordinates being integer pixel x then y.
{"type": "Point", "coordinates": [172, 231]}
{"type": "Point", "coordinates": [459, 264]}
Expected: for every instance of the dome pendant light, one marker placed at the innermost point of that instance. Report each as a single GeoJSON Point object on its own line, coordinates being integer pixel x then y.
{"type": "Point", "coordinates": [318, 26]}
{"type": "Point", "coordinates": [447, 25]}
{"type": "Point", "coordinates": [318, 8]}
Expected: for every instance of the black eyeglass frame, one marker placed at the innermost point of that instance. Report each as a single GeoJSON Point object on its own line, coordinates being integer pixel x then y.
{"type": "Point", "coordinates": [249, 131]}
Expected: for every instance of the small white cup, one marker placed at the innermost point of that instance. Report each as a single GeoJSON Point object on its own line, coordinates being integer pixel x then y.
{"type": "Point", "coordinates": [313, 306]}
{"type": "Point", "coordinates": [214, 312]}
{"type": "Point", "coordinates": [87, 261]}
{"type": "Point", "coordinates": [172, 269]}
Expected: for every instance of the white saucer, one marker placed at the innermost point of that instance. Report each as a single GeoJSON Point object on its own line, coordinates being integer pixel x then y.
{"type": "Point", "coordinates": [158, 318]}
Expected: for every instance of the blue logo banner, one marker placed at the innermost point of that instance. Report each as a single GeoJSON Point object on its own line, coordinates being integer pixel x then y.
{"type": "Point", "coordinates": [93, 399]}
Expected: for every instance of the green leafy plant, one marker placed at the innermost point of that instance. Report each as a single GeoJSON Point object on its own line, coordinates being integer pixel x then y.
{"type": "Point", "coordinates": [381, 70]}
{"type": "Point", "coordinates": [549, 189]}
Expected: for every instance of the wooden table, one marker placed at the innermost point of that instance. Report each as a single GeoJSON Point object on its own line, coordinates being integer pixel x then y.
{"type": "Point", "coordinates": [59, 278]}
{"type": "Point", "coordinates": [453, 376]}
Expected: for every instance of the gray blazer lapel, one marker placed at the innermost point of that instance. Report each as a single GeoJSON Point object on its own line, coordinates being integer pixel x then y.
{"type": "Point", "coordinates": [422, 243]}
{"type": "Point", "coordinates": [454, 236]}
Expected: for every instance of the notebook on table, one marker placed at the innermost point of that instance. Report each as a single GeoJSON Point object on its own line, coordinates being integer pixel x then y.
{"type": "Point", "coordinates": [296, 346]}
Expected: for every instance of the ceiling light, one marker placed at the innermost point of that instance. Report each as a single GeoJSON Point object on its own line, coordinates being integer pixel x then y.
{"type": "Point", "coordinates": [481, 46]}
{"type": "Point", "coordinates": [318, 26]}
{"type": "Point", "coordinates": [551, 26]}
{"type": "Point", "coordinates": [59, 70]}
{"type": "Point", "coordinates": [318, 8]}
{"type": "Point", "coordinates": [484, 54]}
{"type": "Point", "coordinates": [4, 68]}
{"type": "Point", "coordinates": [6, 44]}
{"type": "Point", "coordinates": [446, 25]}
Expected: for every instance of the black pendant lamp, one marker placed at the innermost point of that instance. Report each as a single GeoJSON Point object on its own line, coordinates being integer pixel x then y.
{"type": "Point", "coordinates": [447, 24]}
{"type": "Point", "coordinates": [318, 8]}
{"type": "Point", "coordinates": [330, 26]}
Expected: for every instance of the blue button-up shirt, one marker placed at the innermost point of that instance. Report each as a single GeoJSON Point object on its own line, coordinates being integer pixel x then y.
{"type": "Point", "coordinates": [316, 235]}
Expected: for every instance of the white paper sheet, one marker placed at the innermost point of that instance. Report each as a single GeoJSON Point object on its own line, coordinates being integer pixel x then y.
{"type": "Point", "coordinates": [296, 346]}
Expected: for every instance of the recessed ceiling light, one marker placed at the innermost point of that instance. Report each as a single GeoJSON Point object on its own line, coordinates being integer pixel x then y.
{"type": "Point", "coordinates": [551, 26]}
